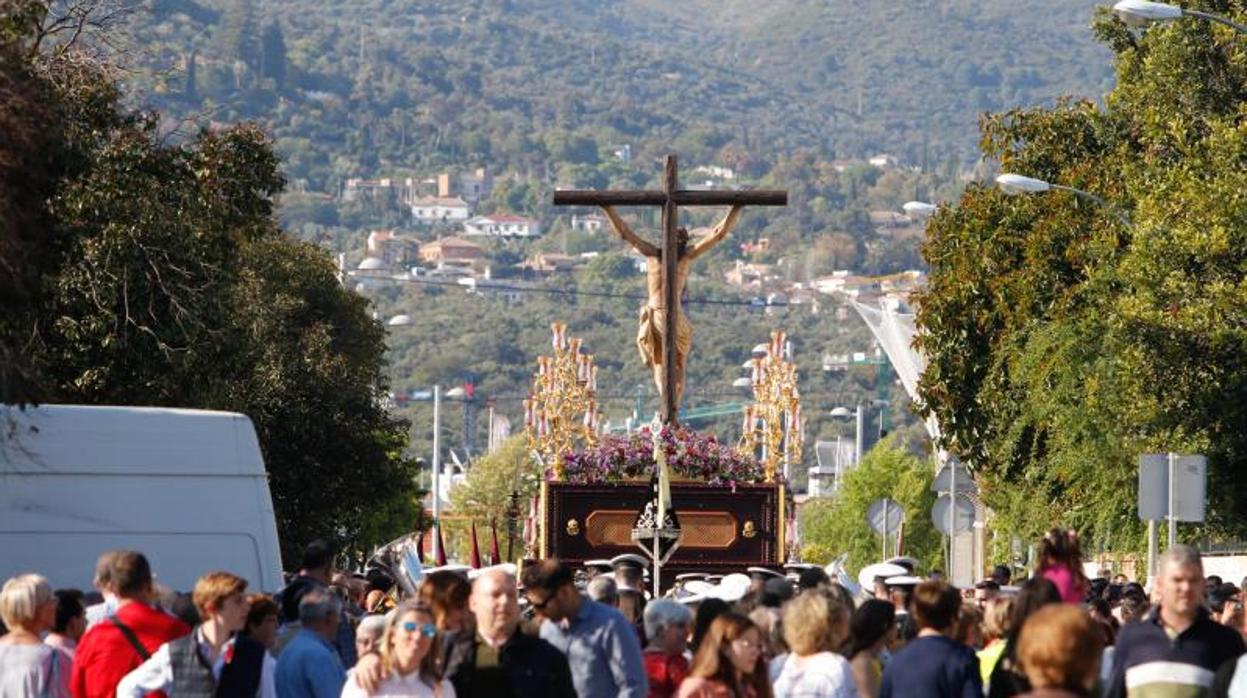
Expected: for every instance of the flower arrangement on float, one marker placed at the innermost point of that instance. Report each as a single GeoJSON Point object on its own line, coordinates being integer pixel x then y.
{"type": "Point", "coordinates": [689, 455]}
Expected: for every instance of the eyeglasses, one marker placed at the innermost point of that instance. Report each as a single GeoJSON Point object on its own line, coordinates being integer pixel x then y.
{"type": "Point", "coordinates": [426, 629]}
{"type": "Point", "coordinates": [541, 606]}
{"type": "Point", "coordinates": [747, 644]}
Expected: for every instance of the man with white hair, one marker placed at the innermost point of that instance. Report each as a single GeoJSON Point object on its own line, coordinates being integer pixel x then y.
{"type": "Point", "coordinates": [603, 589]}
{"type": "Point", "coordinates": [1177, 648]}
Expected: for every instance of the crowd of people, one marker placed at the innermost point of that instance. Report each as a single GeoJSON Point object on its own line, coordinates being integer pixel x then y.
{"type": "Point", "coordinates": [556, 631]}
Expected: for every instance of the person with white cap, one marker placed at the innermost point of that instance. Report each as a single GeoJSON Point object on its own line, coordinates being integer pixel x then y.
{"type": "Point", "coordinates": [900, 592]}
{"type": "Point", "coordinates": [630, 571]}
{"type": "Point", "coordinates": [593, 568]}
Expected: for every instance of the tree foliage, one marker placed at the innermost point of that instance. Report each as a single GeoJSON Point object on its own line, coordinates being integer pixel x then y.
{"type": "Point", "coordinates": [1063, 343]}
{"type": "Point", "coordinates": [832, 526]}
{"type": "Point", "coordinates": [154, 273]}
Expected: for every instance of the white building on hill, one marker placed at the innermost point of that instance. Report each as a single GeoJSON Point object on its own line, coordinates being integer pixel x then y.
{"type": "Point", "coordinates": [502, 225]}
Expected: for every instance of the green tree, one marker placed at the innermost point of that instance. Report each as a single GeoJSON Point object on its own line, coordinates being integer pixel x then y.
{"type": "Point", "coordinates": [1063, 343]}
{"type": "Point", "coordinates": [160, 277]}
{"type": "Point", "coordinates": [273, 55]}
{"type": "Point", "coordinates": [832, 526]}
{"type": "Point", "coordinates": [237, 34]}
{"type": "Point", "coordinates": [486, 490]}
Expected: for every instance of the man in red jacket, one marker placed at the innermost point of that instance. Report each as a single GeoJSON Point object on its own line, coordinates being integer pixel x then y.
{"type": "Point", "coordinates": [120, 643]}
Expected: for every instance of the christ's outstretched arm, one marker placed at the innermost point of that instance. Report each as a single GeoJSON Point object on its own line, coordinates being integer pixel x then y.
{"type": "Point", "coordinates": [622, 230]}
{"type": "Point", "coordinates": [720, 231]}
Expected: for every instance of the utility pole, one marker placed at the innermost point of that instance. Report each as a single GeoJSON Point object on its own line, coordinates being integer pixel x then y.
{"type": "Point", "coordinates": [437, 466]}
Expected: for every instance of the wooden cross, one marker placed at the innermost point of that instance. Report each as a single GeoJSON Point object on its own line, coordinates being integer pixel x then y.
{"type": "Point", "coordinates": [670, 198]}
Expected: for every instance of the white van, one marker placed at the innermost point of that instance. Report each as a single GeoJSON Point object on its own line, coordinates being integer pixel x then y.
{"type": "Point", "coordinates": [187, 488]}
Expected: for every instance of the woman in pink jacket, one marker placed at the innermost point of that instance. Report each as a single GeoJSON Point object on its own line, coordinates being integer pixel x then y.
{"type": "Point", "coordinates": [1060, 562]}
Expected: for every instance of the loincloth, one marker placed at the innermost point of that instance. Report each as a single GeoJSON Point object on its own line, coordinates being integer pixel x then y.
{"type": "Point", "coordinates": [649, 338]}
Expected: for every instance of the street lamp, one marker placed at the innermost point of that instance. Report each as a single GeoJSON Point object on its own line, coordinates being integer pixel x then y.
{"type": "Point", "coordinates": [1138, 13]}
{"type": "Point", "coordinates": [1014, 184]}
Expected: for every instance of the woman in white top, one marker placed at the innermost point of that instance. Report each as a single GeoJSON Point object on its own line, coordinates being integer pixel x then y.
{"type": "Point", "coordinates": [815, 626]}
{"type": "Point", "coordinates": [29, 668]}
{"type": "Point", "coordinates": [409, 652]}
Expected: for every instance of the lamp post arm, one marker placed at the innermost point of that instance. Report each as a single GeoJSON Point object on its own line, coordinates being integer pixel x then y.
{"type": "Point", "coordinates": [1242, 29]}
{"type": "Point", "coordinates": [1099, 200]}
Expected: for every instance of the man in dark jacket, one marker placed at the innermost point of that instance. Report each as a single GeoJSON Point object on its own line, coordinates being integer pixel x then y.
{"type": "Point", "coordinates": [497, 659]}
{"type": "Point", "coordinates": [1177, 648]}
{"type": "Point", "coordinates": [933, 665]}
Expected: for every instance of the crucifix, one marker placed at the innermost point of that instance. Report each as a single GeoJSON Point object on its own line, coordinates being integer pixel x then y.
{"type": "Point", "coordinates": [668, 266]}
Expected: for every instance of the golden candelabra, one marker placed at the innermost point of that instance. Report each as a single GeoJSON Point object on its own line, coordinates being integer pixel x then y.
{"type": "Point", "coordinates": [773, 422]}
{"type": "Point", "coordinates": [561, 412]}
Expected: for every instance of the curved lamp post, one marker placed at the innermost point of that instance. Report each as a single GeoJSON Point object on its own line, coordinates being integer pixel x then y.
{"type": "Point", "coordinates": [1013, 184]}
{"type": "Point", "coordinates": [1137, 13]}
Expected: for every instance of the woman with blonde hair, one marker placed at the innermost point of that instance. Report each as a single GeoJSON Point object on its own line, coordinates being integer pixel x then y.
{"type": "Point", "coordinates": [1059, 650]}
{"type": "Point", "coordinates": [28, 667]}
{"type": "Point", "coordinates": [815, 626]}
{"type": "Point", "coordinates": [997, 621]}
{"type": "Point", "coordinates": [729, 662]}
{"type": "Point", "coordinates": [409, 652]}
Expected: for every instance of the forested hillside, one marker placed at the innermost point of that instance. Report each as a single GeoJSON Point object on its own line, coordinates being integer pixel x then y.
{"type": "Point", "coordinates": [791, 94]}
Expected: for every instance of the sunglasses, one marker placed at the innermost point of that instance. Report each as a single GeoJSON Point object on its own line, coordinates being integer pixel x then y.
{"type": "Point", "coordinates": [426, 629]}
{"type": "Point", "coordinates": [541, 606]}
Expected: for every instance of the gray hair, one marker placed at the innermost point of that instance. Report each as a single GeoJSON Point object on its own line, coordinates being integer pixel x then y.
{"type": "Point", "coordinates": [603, 589]}
{"type": "Point", "coordinates": [1182, 556]}
{"type": "Point", "coordinates": [318, 605]}
{"type": "Point", "coordinates": [371, 627]}
{"type": "Point", "coordinates": [661, 614]}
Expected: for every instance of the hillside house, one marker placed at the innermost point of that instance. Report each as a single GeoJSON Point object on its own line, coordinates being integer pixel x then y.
{"type": "Point", "coordinates": [849, 284]}
{"type": "Point", "coordinates": [392, 250]}
{"type": "Point", "coordinates": [550, 263]}
{"type": "Point", "coordinates": [502, 225]}
{"type": "Point", "coordinates": [451, 250]}
{"type": "Point", "coordinates": [591, 223]}
{"type": "Point", "coordinates": [386, 190]}
{"type": "Point", "coordinates": [750, 275]}
{"type": "Point", "coordinates": [469, 186]}
{"type": "Point", "coordinates": [889, 220]}
{"type": "Point", "coordinates": [428, 210]}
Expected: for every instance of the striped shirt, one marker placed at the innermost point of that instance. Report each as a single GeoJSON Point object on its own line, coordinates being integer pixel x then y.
{"type": "Point", "coordinates": [1149, 663]}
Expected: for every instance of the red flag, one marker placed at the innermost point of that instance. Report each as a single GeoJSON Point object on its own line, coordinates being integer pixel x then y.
{"type": "Point", "coordinates": [476, 550]}
{"type": "Point", "coordinates": [441, 547]}
{"type": "Point", "coordinates": [493, 553]}
{"type": "Point", "coordinates": [420, 547]}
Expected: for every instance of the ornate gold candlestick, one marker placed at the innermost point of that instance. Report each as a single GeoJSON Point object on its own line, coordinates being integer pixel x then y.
{"type": "Point", "coordinates": [773, 423]}
{"type": "Point", "coordinates": [561, 412]}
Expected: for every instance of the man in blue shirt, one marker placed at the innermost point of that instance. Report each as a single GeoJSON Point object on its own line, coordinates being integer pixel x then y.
{"type": "Point", "coordinates": [309, 666]}
{"type": "Point", "coordinates": [601, 646]}
{"type": "Point", "coordinates": [933, 665]}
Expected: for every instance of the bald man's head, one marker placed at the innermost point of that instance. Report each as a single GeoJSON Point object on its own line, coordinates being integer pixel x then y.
{"type": "Point", "coordinates": [495, 604]}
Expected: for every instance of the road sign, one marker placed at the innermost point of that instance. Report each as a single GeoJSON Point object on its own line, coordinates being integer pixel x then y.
{"type": "Point", "coordinates": [942, 478]}
{"type": "Point", "coordinates": [1190, 482]}
{"type": "Point", "coordinates": [963, 519]}
{"type": "Point", "coordinates": [885, 516]}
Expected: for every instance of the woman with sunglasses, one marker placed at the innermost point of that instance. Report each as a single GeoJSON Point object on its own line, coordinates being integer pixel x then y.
{"type": "Point", "coordinates": [729, 662]}
{"type": "Point", "coordinates": [409, 654]}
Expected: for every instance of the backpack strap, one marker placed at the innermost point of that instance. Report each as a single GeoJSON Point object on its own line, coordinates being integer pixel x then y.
{"type": "Point", "coordinates": [131, 637]}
